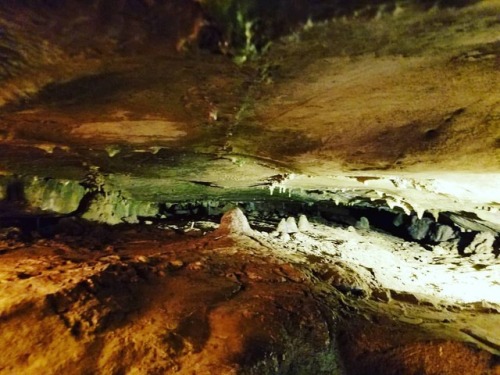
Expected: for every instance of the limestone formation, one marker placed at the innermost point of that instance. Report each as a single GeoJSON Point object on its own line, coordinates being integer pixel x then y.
{"type": "Point", "coordinates": [234, 221]}
{"type": "Point", "coordinates": [291, 225]}
{"type": "Point", "coordinates": [303, 224]}
{"type": "Point", "coordinates": [442, 233]}
{"type": "Point", "coordinates": [282, 226]}
{"type": "Point", "coordinates": [481, 244]}
{"type": "Point", "coordinates": [419, 228]}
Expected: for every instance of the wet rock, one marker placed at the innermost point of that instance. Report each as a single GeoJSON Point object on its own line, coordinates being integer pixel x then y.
{"type": "Point", "coordinates": [109, 249]}
{"type": "Point", "coordinates": [98, 237]}
{"type": "Point", "coordinates": [196, 266]}
{"type": "Point", "coordinates": [290, 272]}
{"type": "Point", "coordinates": [439, 250]}
{"type": "Point", "coordinates": [115, 208]}
{"type": "Point", "coordinates": [486, 307]}
{"type": "Point", "coordinates": [61, 196]}
{"type": "Point", "coordinates": [351, 290]}
{"type": "Point", "coordinates": [193, 232]}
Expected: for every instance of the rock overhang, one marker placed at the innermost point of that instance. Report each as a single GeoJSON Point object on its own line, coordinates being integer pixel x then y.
{"type": "Point", "coordinates": [383, 106]}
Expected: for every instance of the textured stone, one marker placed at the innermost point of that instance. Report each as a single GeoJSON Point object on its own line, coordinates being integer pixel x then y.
{"type": "Point", "coordinates": [481, 244]}
{"type": "Point", "coordinates": [234, 222]}
{"type": "Point", "coordinates": [419, 228]}
{"type": "Point", "coordinates": [442, 233]}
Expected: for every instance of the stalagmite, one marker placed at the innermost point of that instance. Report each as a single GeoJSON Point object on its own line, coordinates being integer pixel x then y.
{"type": "Point", "coordinates": [291, 225]}
{"type": "Point", "coordinates": [303, 225]}
{"type": "Point", "coordinates": [234, 221]}
{"type": "Point", "coordinates": [282, 226]}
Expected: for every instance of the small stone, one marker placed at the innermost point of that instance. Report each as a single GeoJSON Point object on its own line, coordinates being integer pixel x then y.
{"type": "Point", "coordinates": [176, 263]}
{"type": "Point", "coordinates": [109, 258]}
{"type": "Point", "coordinates": [196, 266]}
{"type": "Point", "coordinates": [253, 275]}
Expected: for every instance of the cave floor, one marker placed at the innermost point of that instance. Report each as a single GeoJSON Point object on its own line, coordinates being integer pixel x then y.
{"type": "Point", "coordinates": [139, 299]}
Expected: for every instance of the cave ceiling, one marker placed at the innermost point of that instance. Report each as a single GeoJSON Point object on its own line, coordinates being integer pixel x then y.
{"type": "Point", "coordinates": [389, 102]}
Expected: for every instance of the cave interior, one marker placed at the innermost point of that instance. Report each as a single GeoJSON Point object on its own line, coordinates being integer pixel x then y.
{"type": "Point", "coordinates": [250, 187]}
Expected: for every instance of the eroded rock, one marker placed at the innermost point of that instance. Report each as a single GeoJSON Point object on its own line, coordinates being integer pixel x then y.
{"type": "Point", "coordinates": [442, 233]}
{"type": "Point", "coordinates": [419, 228]}
{"type": "Point", "coordinates": [234, 221]}
{"type": "Point", "coordinates": [481, 244]}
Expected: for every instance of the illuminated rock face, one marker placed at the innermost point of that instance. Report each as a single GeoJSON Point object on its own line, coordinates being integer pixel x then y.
{"type": "Point", "coordinates": [356, 159]}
